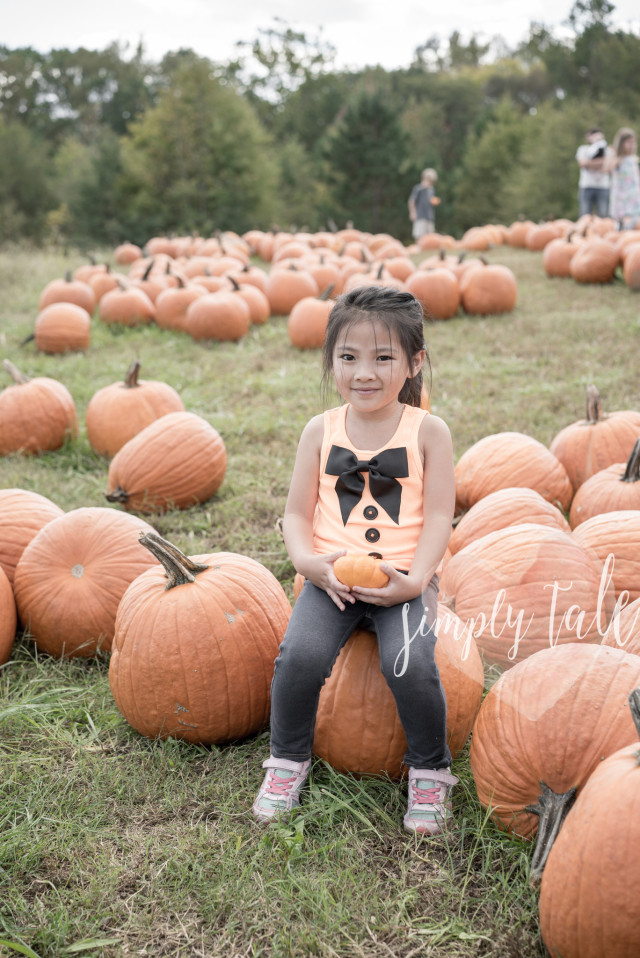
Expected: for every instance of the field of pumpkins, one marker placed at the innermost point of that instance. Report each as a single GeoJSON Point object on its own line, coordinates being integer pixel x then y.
{"type": "Point", "coordinates": [149, 415]}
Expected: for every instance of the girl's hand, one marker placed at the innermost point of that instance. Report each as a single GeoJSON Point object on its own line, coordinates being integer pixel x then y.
{"type": "Point", "coordinates": [319, 570]}
{"type": "Point", "coordinates": [399, 588]}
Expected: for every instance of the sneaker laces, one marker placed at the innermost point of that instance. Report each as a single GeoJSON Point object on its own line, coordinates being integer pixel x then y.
{"type": "Point", "coordinates": [279, 785]}
{"type": "Point", "coordinates": [428, 795]}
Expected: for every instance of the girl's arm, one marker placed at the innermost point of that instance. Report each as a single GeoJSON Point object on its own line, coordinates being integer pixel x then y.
{"type": "Point", "coordinates": [297, 526]}
{"type": "Point", "coordinates": [439, 495]}
{"type": "Point", "coordinates": [611, 161]}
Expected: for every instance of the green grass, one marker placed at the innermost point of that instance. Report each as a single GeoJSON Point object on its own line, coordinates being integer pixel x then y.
{"type": "Point", "coordinates": [114, 845]}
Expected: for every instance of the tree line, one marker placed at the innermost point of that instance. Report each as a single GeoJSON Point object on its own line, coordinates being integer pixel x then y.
{"type": "Point", "coordinates": [103, 146]}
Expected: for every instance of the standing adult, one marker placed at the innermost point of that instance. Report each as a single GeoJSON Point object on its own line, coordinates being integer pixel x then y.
{"type": "Point", "coordinates": [593, 185]}
{"type": "Point", "coordinates": [422, 203]}
{"type": "Point", "coordinates": [621, 162]}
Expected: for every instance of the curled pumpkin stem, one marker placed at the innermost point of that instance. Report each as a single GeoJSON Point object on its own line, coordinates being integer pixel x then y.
{"type": "Point", "coordinates": [552, 809]}
{"type": "Point", "coordinates": [179, 568]}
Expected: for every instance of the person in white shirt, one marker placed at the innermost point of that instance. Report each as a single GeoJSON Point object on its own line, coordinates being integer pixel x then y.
{"type": "Point", "coordinates": [593, 185]}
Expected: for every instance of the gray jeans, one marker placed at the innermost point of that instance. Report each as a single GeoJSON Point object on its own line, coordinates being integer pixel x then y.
{"type": "Point", "coordinates": [317, 631]}
{"type": "Point", "coordinates": [593, 196]}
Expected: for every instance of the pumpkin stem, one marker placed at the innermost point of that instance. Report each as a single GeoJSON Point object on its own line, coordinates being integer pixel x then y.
{"type": "Point", "coordinates": [326, 293]}
{"type": "Point", "coordinates": [632, 472]}
{"type": "Point", "coordinates": [179, 568]}
{"type": "Point", "coordinates": [594, 406]}
{"type": "Point", "coordinates": [634, 705]}
{"type": "Point", "coordinates": [67, 276]}
{"type": "Point", "coordinates": [131, 379]}
{"type": "Point", "coordinates": [147, 271]}
{"type": "Point", "coordinates": [118, 495]}
{"type": "Point", "coordinates": [552, 809]}
{"type": "Point", "coordinates": [14, 372]}
{"type": "Point", "coordinates": [234, 283]}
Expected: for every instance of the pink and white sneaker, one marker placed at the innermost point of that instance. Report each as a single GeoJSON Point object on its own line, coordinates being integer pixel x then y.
{"type": "Point", "coordinates": [429, 806]}
{"type": "Point", "coordinates": [280, 790]}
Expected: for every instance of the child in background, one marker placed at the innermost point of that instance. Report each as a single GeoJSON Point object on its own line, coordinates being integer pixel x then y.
{"type": "Point", "coordinates": [374, 473]}
{"type": "Point", "coordinates": [622, 163]}
{"type": "Point", "coordinates": [422, 204]}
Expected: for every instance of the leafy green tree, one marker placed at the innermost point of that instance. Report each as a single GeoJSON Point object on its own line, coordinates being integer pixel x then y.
{"type": "Point", "coordinates": [275, 64]}
{"type": "Point", "coordinates": [87, 180]}
{"type": "Point", "coordinates": [490, 155]}
{"type": "Point", "coordinates": [199, 160]}
{"type": "Point", "coordinates": [364, 154]}
{"type": "Point", "coordinates": [25, 190]}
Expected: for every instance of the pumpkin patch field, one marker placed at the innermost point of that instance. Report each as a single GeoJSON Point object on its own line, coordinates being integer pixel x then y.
{"type": "Point", "coordinates": [147, 435]}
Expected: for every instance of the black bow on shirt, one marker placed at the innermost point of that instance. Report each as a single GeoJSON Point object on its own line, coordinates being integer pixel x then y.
{"type": "Point", "coordinates": [384, 471]}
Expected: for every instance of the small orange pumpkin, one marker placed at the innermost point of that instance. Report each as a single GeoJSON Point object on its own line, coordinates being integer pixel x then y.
{"type": "Point", "coordinates": [361, 570]}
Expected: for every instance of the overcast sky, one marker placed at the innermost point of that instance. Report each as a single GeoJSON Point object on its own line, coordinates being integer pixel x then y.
{"type": "Point", "coordinates": [364, 32]}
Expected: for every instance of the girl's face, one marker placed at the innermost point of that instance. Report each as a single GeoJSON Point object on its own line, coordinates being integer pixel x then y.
{"type": "Point", "coordinates": [629, 145]}
{"type": "Point", "coordinates": [370, 366]}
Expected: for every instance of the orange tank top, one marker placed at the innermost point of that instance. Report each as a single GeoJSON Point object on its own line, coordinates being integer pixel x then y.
{"type": "Point", "coordinates": [370, 500]}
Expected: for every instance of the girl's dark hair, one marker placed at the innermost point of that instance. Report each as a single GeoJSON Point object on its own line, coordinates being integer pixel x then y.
{"type": "Point", "coordinates": [400, 312]}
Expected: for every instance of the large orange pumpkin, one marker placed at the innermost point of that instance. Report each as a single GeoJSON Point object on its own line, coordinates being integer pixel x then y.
{"type": "Point", "coordinates": [175, 462]}
{"type": "Point", "coordinates": [505, 507]}
{"type": "Point", "coordinates": [308, 320]}
{"type": "Point", "coordinates": [595, 261]}
{"type": "Point", "coordinates": [357, 726]}
{"type": "Point", "coordinates": [128, 306]}
{"type": "Point", "coordinates": [611, 489]}
{"type": "Point", "coordinates": [22, 516]}
{"type": "Point", "coordinates": [285, 287]}
{"type": "Point", "coordinates": [510, 459]}
{"type": "Point", "coordinates": [615, 536]}
{"type": "Point", "coordinates": [195, 644]}
{"type": "Point", "coordinates": [557, 256]}
{"type": "Point", "coordinates": [72, 575]}
{"type": "Point", "coordinates": [488, 289]}
{"type": "Point", "coordinates": [589, 892]}
{"type": "Point", "coordinates": [602, 439]}
{"type": "Point", "coordinates": [543, 729]}
{"type": "Point", "coordinates": [525, 587]}
{"type": "Point", "coordinates": [118, 412]}
{"type": "Point", "coordinates": [68, 290]}
{"type": "Point", "coordinates": [218, 316]}
{"type": "Point", "coordinates": [437, 290]}
{"type": "Point", "coordinates": [36, 415]}
{"type": "Point", "coordinates": [62, 328]}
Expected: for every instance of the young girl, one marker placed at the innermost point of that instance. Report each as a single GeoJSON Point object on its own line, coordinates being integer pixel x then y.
{"type": "Point", "coordinates": [622, 162]}
{"type": "Point", "coordinates": [375, 474]}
